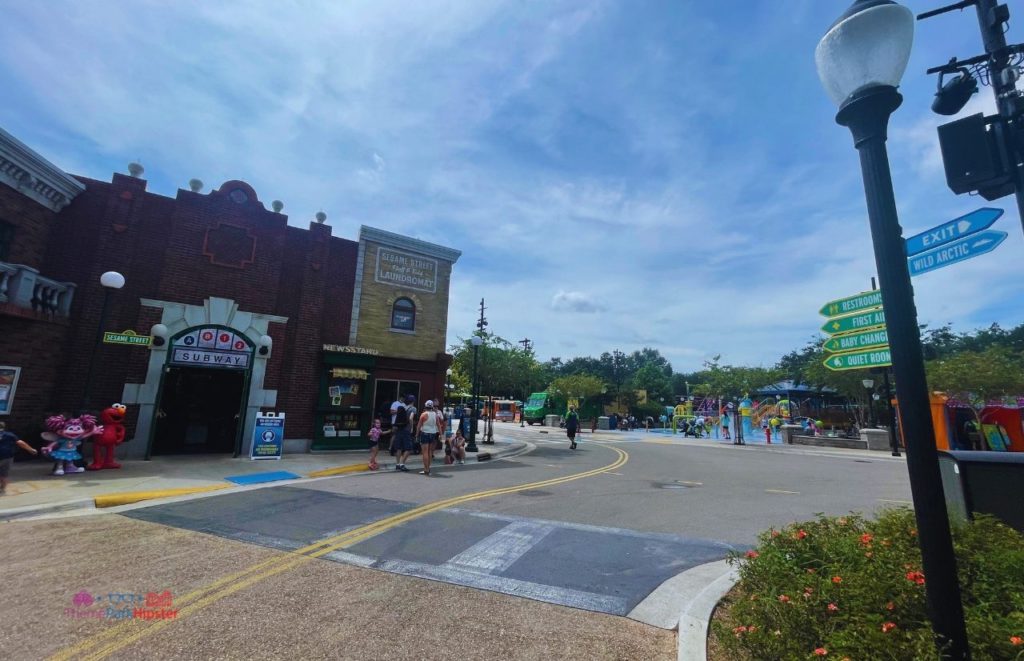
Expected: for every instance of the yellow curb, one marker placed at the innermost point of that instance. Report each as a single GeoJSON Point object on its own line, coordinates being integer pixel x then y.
{"type": "Point", "coordinates": [340, 470]}
{"type": "Point", "coordinates": [115, 499]}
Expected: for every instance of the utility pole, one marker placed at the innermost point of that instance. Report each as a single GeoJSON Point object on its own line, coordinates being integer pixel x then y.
{"type": "Point", "coordinates": [476, 340]}
{"type": "Point", "coordinates": [527, 346]}
{"type": "Point", "coordinates": [1004, 132]}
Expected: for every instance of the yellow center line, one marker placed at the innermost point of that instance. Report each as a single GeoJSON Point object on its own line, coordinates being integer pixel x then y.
{"type": "Point", "coordinates": [133, 630]}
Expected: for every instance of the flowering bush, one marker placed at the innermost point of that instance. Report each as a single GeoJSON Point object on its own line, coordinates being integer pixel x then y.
{"type": "Point", "coordinates": [851, 588]}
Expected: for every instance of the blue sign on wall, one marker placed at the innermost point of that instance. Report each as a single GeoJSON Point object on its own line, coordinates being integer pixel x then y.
{"type": "Point", "coordinates": [268, 436]}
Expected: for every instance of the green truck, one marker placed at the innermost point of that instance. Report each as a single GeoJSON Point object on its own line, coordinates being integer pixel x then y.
{"type": "Point", "coordinates": [541, 404]}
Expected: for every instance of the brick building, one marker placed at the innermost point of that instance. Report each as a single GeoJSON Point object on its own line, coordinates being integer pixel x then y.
{"type": "Point", "coordinates": [246, 312]}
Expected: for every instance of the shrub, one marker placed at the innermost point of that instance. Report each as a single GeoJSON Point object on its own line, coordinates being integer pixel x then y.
{"type": "Point", "coordinates": [848, 587]}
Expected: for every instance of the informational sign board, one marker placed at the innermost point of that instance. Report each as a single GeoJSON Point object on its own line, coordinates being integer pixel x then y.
{"type": "Point", "coordinates": [268, 436]}
{"type": "Point", "coordinates": [958, 251]}
{"type": "Point", "coordinates": [853, 360]}
{"type": "Point", "coordinates": [855, 322]}
{"type": "Point", "coordinates": [958, 228]}
{"type": "Point", "coordinates": [856, 303]}
{"type": "Point", "coordinates": [127, 337]}
{"type": "Point", "coordinates": [854, 341]}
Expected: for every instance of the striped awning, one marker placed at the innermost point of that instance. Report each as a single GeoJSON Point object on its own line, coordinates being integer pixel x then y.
{"type": "Point", "coordinates": [343, 373]}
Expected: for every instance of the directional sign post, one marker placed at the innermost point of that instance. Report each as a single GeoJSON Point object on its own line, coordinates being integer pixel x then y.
{"type": "Point", "coordinates": [957, 251]}
{"type": "Point", "coordinates": [853, 341]}
{"type": "Point", "coordinates": [862, 301]}
{"type": "Point", "coordinates": [957, 228]}
{"type": "Point", "coordinates": [855, 360]}
{"type": "Point", "coordinates": [854, 322]}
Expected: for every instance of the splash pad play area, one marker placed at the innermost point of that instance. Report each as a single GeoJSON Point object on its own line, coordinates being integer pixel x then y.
{"type": "Point", "coordinates": [748, 422]}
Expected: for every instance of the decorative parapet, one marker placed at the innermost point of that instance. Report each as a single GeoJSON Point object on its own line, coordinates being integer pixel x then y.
{"type": "Point", "coordinates": [35, 177]}
{"type": "Point", "coordinates": [23, 287]}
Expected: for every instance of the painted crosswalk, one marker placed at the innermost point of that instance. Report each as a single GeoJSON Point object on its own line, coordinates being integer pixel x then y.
{"type": "Point", "coordinates": [609, 570]}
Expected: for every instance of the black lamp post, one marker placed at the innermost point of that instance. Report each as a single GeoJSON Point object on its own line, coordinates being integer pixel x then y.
{"type": "Point", "coordinates": [869, 386]}
{"type": "Point", "coordinates": [110, 280]}
{"type": "Point", "coordinates": [860, 61]}
{"type": "Point", "coordinates": [476, 341]}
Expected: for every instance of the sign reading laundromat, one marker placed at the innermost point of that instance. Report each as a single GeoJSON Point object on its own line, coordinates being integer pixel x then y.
{"type": "Point", "coordinates": [404, 270]}
{"type": "Point", "coordinates": [211, 347]}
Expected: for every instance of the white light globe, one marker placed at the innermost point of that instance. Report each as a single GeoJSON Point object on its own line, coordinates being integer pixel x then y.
{"type": "Point", "coordinates": [112, 279]}
{"type": "Point", "coordinates": [868, 46]}
{"type": "Point", "coordinates": [476, 341]}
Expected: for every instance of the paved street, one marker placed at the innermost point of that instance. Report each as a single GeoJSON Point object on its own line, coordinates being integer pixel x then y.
{"type": "Point", "coordinates": [596, 530]}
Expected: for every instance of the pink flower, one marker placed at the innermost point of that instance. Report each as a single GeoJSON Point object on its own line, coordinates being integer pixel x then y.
{"type": "Point", "coordinates": [783, 598]}
{"type": "Point", "coordinates": [775, 533]}
{"type": "Point", "coordinates": [751, 554]}
{"type": "Point", "coordinates": [888, 626]}
{"type": "Point", "coordinates": [821, 651]}
{"type": "Point", "coordinates": [832, 608]}
{"type": "Point", "coordinates": [837, 579]}
{"type": "Point", "coordinates": [866, 538]}
{"type": "Point", "coordinates": [800, 534]}
{"type": "Point", "coordinates": [1016, 640]}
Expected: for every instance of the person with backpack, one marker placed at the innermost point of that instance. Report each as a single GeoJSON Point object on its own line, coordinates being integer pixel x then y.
{"type": "Point", "coordinates": [402, 434]}
{"type": "Point", "coordinates": [572, 425]}
{"type": "Point", "coordinates": [429, 427]}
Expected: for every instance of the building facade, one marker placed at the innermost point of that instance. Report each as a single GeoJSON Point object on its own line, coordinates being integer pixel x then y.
{"type": "Point", "coordinates": [246, 313]}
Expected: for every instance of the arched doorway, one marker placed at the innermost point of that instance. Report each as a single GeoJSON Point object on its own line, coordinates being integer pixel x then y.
{"type": "Point", "coordinates": [203, 392]}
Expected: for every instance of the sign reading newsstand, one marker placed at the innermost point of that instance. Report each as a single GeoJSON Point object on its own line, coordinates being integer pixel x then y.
{"type": "Point", "coordinates": [344, 398]}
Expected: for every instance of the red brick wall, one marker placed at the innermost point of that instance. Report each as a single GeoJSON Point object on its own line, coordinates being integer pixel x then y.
{"type": "Point", "coordinates": [35, 347]}
{"type": "Point", "coordinates": [157, 243]}
{"type": "Point", "coordinates": [33, 224]}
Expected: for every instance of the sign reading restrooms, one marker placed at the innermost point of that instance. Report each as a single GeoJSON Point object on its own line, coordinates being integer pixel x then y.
{"type": "Point", "coordinates": [402, 269]}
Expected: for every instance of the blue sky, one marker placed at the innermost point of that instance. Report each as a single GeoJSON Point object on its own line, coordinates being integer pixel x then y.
{"type": "Point", "coordinates": [617, 174]}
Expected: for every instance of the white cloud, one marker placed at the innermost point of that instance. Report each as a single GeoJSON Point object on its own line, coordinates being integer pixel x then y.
{"type": "Point", "coordinates": [575, 301]}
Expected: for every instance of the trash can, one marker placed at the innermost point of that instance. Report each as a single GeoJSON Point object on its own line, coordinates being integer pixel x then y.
{"type": "Point", "coordinates": [983, 483]}
{"type": "Point", "coordinates": [552, 420]}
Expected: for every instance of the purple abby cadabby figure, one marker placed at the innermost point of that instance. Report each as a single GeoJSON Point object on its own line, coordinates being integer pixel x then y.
{"type": "Point", "coordinates": [65, 435]}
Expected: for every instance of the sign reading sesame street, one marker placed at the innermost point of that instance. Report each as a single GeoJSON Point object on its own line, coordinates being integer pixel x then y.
{"type": "Point", "coordinates": [406, 270]}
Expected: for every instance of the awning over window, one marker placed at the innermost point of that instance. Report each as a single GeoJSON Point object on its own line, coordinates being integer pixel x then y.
{"type": "Point", "coordinates": [344, 373]}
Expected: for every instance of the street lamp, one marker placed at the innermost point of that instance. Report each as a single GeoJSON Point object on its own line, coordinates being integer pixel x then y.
{"type": "Point", "coordinates": [110, 280]}
{"type": "Point", "coordinates": [860, 61]}
{"type": "Point", "coordinates": [476, 341]}
{"type": "Point", "coordinates": [869, 385]}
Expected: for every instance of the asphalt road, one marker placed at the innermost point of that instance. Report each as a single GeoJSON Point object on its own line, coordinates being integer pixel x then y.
{"type": "Point", "coordinates": [555, 542]}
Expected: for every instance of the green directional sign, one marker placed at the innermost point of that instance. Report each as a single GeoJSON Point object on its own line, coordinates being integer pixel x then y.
{"type": "Point", "coordinates": [854, 341]}
{"type": "Point", "coordinates": [127, 337]}
{"type": "Point", "coordinates": [862, 301]}
{"type": "Point", "coordinates": [854, 360]}
{"type": "Point", "coordinates": [855, 322]}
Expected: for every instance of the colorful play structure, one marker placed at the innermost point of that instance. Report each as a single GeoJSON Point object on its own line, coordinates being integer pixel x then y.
{"type": "Point", "coordinates": [958, 426]}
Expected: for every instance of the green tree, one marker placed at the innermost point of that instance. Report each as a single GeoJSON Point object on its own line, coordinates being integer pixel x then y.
{"type": "Point", "coordinates": [653, 379]}
{"type": "Point", "coordinates": [577, 385]}
{"type": "Point", "coordinates": [979, 376]}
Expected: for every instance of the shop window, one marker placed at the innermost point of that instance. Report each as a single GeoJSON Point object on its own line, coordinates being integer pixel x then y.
{"type": "Point", "coordinates": [344, 397]}
{"type": "Point", "coordinates": [403, 315]}
{"type": "Point", "coordinates": [6, 239]}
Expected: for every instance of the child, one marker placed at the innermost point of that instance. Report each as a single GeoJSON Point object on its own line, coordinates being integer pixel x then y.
{"type": "Point", "coordinates": [459, 446]}
{"type": "Point", "coordinates": [8, 441]}
{"type": "Point", "coordinates": [376, 433]}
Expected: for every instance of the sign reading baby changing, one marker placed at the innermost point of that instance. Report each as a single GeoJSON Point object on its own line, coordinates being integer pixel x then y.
{"type": "Point", "coordinates": [211, 347]}
{"type": "Point", "coordinates": [406, 270]}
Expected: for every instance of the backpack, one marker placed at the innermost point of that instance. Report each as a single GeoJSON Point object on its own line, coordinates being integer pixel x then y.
{"type": "Point", "coordinates": [401, 417]}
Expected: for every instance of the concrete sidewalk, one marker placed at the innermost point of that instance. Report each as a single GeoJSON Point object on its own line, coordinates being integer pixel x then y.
{"type": "Point", "coordinates": [32, 490]}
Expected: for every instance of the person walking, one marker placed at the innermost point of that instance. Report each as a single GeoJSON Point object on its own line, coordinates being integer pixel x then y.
{"type": "Point", "coordinates": [402, 437]}
{"type": "Point", "coordinates": [8, 442]}
{"type": "Point", "coordinates": [572, 425]}
{"type": "Point", "coordinates": [430, 424]}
